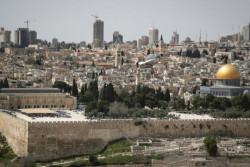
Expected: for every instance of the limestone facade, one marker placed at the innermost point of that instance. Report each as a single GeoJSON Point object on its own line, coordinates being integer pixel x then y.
{"type": "Point", "coordinates": [35, 98]}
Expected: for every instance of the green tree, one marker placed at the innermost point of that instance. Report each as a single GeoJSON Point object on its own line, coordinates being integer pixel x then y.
{"type": "Point", "coordinates": [103, 107]}
{"type": "Point", "coordinates": [38, 62]}
{"type": "Point", "coordinates": [122, 53]}
{"type": "Point", "coordinates": [74, 89]}
{"type": "Point", "coordinates": [2, 50]}
{"type": "Point", "coordinates": [216, 104]}
{"type": "Point", "coordinates": [148, 52]}
{"type": "Point", "coordinates": [93, 160]}
{"type": "Point", "coordinates": [205, 52]}
{"type": "Point", "coordinates": [5, 83]}
{"type": "Point", "coordinates": [138, 88]}
{"type": "Point", "coordinates": [189, 53]}
{"type": "Point", "coordinates": [110, 93]}
{"type": "Point", "coordinates": [90, 107]}
{"type": "Point", "coordinates": [180, 104]}
{"type": "Point", "coordinates": [93, 75]}
{"type": "Point", "coordinates": [62, 86]}
{"type": "Point", "coordinates": [93, 89]}
{"type": "Point", "coordinates": [241, 102]}
{"type": "Point", "coordinates": [210, 145]}
{"type": "Point", "coordinates": [196, 54]}
{"type": "Point", "coordinates": [214, 60]}
{"type": "Point", "coordinates": [89, 46]}
{"type": "Point", "coordinates": [159, 94]}
{"type": "Point", "coordinates": [151, 100]}
{"type": "Point", "coordinates": [82, 90]}
{"type": "Point", "coordinates": [139, 100]}
{"type": "Point", "coordinates": [122, 61]}
{"type": "Point", "coordinates": [204, 82]}
{"type": "Point", "coordinates": [167, 96]}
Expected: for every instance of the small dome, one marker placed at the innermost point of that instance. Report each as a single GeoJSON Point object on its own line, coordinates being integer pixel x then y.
{"type": "Point", "coordinates": [152, 56]}
{"type": "Point", "coordinates": [227, 71]}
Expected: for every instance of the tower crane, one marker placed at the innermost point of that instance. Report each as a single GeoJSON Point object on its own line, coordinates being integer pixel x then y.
{"type": "Point", "coordinates": [28, 21]}
{"type": "Point", "coordinates": [95, 16]}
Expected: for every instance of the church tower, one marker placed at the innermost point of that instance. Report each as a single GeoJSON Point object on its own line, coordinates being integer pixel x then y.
{"type": "Point", "coordinates": [161, 46]}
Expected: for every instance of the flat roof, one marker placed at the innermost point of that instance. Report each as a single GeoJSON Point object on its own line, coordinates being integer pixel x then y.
{"type": "Point", "coordinates": [30, 90]}
{"type": "Point", "coordinates": [37, 111]}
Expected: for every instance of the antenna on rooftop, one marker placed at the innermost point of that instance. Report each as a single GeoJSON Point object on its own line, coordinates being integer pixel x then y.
{"type": "Point", "coordinates": [200, 36]}
{"type": "Point", "coordinates": [28, 21]}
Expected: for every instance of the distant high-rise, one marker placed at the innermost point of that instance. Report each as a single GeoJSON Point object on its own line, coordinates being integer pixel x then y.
{"type": "Point", "coordinates": [54, 42]}
{"type": "Point", "coordinates": [32, 37]}
{"type": "Point", "coordinates": [5, 36]}
{"type": "Point", "coordinates": [98, 31]}
{"type": "Point", "coordinates": [21, 37]}
{"type": "Point", "coordinates": [117, 37]}
{"type": "Point", "coordinates": [175, 38]}
{"type": "Point", "coordinates": [153, 35]}
{"type": "Point", "coordinates": [145, 40]}
{"type": "Point", "coordinates": [246, 33]}
{"type": "Point", "coordinates": [139, 43]}
{"type": "Point", "coordinates": [142, 41]}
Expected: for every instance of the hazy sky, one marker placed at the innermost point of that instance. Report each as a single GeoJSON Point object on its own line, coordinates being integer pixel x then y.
{"type": "Point", "coordinates": [71, 21]}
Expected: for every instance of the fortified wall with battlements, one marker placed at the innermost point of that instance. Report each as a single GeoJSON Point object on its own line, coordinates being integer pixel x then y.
{"type": "Point", "coordinates": [51, 140]}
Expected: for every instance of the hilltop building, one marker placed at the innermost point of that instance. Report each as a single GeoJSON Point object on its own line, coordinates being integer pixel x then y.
{"type": "Point", "coordinates": [19, 98]}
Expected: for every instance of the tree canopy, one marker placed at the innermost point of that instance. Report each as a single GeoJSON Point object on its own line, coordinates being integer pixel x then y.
{"type": "Point", "coordinates": [211, 145]}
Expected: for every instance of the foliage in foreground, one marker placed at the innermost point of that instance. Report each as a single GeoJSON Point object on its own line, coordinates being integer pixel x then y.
{"type": "Point", "coordinates": [6, 153]}
{"type": "Point", "coordinates": [103, 109]}
{"type": "Point", "coordinates": [210, 145]}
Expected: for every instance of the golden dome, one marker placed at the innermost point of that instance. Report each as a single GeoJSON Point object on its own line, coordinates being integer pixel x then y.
{"type": "Point", "coordinates": [227, 72]}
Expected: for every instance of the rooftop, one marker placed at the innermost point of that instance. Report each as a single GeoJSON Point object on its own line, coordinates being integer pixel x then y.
{"type": "Point", "coordinates": [30, 90]}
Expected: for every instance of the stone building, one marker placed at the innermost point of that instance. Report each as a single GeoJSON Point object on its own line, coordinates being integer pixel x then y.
{"type": "Point", "coordinates": [18, 98]}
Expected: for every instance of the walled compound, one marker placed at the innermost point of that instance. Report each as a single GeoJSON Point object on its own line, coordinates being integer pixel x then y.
{"type": "Point", "coordinates": [44, 140]}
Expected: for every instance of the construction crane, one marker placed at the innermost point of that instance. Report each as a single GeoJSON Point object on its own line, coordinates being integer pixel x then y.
{"type": "Point", "coordinates": [28, 21]}
{"type": "Point", "coordinates": [95, 16]}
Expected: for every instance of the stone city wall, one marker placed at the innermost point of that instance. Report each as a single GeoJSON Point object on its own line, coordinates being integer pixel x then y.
{"type": "Point", "coordinates": [49, 140]}
{"type": "Point", "coordinates": [16, 132]}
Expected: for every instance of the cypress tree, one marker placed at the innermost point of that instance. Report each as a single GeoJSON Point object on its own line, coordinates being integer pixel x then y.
{"type": "Point", "coordinates": [138, 89]}
{"type": "Point", "coordinates": [74, 89]}
{"type": "Point", "coordinates": [82, 90]}
{"type": "Point", "coordinates": [85, 87]}
{"type": "Point", "coordinates": [167, 96]}
{"type": "Point", "coordinates": [5, 83]}
{"type": "Point", "coordinates": [103, 92]}
{"type": "Point", "coordinates": [110, 93]}
{"type": "Point", "coordinates": [93, 75]}
{"type": "Point", "coordinates": [122, 61]}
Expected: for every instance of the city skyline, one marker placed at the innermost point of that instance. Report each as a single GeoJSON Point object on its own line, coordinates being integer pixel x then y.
{"type": "Point", "coordinates": [72, 21]}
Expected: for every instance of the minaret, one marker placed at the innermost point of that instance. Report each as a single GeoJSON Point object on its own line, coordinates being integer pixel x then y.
{"type": "Point", "coordinates": [137, 78]}
{"type": "Point", "coordinates": [117, 57]}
